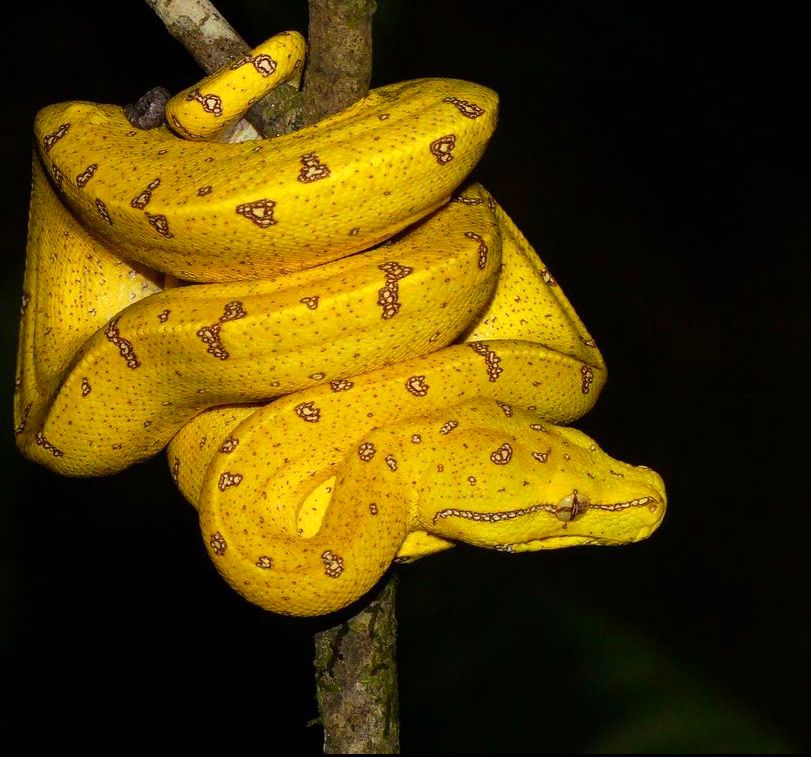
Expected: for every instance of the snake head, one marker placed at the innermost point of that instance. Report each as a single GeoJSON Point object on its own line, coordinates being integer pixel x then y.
{"type": "Point", "coordinates": [537, 486]}
{"type": "Point", "coordinates": [596, 498]}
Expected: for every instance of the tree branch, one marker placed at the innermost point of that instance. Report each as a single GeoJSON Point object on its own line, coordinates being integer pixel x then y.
{"type": "Point", "coordinates": [356, 680]}
{"type": "Point", "coordinates": [355, 661]}
{"type": "Point", "coordinates": [213, 42]}
{"type": "Point", "coordinates": [339, 67]}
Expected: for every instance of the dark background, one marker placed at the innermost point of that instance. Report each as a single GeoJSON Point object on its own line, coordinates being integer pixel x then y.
{"type": "Point", "coordinates": [643, 150]}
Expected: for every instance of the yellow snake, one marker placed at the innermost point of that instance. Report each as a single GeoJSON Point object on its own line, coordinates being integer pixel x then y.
{"type": "Point", "coordinates": [419, 384]}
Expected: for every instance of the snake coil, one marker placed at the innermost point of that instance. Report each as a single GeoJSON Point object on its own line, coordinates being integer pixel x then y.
{"type": "Point", "coordinates": [364, 363]}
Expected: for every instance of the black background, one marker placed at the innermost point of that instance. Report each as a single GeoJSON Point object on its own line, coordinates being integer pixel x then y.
{"type": "Point", "coordinates": [646, 152]}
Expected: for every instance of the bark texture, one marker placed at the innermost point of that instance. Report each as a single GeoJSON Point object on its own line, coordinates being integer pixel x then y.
{"type": "Point", "coordinates": [339, 68]}
{"type": "Point", "coordinates": [355, 662]}
{"type": "Point", "coordinates": [356, 680]}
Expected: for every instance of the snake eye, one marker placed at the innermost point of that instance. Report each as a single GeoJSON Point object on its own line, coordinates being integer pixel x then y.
{"type": "Point", "coordinates": [571, 506]}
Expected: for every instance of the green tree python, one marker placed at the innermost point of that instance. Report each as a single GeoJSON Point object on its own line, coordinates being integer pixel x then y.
{"type": "Point", "coordinates": [360, 363]}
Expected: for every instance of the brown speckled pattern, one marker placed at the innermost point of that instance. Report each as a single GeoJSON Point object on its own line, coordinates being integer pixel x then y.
{"type": "Point", "coordinates": [409, 382]}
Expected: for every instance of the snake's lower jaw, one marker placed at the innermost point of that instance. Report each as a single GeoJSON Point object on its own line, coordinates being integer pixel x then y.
{"type": "Point", "coordinates": [598, 532]}
{"type": "Point", "coordinates": [591, 529]}
{"type": "Point", "coordinates": [631, 513]}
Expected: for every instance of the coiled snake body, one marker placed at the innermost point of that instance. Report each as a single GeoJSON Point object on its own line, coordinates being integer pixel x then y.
{"type": "Point", "coordinates": [419, 383]}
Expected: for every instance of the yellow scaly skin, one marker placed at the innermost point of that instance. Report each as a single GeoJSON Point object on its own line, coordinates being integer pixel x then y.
{"type": "Point", "coordinates": [225, 212]}
{"type": "Point", "coordinates": [417, 383]}
{"type": "Point", "coordinates": [188, 348]}
{"type": "Point", "coordinates": [209, 108]}
{"type": "Point", "coordinates": [285, 501]}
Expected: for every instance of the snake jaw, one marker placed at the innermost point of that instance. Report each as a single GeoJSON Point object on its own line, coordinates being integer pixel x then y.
{"type": "Point", "coordinates": [573, 494]}
{"type": "Point", "coordinates": [558, 528]}
{"type": "Point", "coordinates": [622, 504]}
{"type": "Point", "coordinates": [602, 531]}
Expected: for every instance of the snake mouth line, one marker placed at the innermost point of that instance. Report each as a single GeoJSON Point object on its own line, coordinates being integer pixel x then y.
{"type": "Point", "coordinates": [556, 541]}
{"type": "Point", "coordinates": [561, 511]}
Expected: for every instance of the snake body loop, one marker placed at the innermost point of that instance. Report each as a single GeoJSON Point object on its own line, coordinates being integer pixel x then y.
{"type": "Point", "coordinates": [204, 211]}
{"type": "Point", "coordinates": [417, 387]}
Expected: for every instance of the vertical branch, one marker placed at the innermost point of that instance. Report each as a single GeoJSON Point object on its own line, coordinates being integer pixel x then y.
{"type": "Point", "coordinates": [355, 662]}
{"type": "Point", "coordinates": [339, 67]}
{"type": "Point", "coordinates": [356, 680]}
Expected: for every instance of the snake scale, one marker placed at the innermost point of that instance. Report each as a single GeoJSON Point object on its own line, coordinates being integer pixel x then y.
{"type": "Point", "coordinates": [357, 362]}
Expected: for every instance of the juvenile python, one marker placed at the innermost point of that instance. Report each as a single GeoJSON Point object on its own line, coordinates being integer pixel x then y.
{"type": "Point", "coordinates": [420, 385]}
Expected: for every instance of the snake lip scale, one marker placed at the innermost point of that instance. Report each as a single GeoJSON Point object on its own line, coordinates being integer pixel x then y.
{"type": "Point", "coordinates": [365, 361]}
